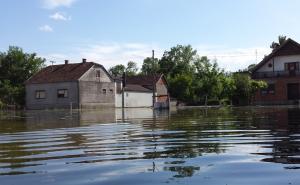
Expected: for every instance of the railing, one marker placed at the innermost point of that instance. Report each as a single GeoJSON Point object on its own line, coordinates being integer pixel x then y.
{"type": "Point", "coordinates": [275, 74]}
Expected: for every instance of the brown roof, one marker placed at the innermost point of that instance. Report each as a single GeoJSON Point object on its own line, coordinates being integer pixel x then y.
{"type": "Point", "coordinates": [136, 88]}
{"type": "Point", "coordinates": [61, 73]}
{"type": "Point", "coordinates": [289, 47]}
{"type": "Point", "coordinates": [143, 80]}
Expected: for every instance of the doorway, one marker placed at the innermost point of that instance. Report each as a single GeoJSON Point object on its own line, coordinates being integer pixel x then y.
{"type": "Point", "coordinates": [293, 91]}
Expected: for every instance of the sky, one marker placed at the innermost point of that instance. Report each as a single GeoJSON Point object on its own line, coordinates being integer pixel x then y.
{"type": "Point", "coordinates": [235, 33]}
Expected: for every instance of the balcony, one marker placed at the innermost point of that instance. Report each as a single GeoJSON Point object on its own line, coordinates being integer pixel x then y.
{"type": "Point", "coordinates": [275, 74]}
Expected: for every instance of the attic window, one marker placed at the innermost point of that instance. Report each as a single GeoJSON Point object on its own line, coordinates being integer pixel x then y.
{"type": "Point", "coordinates": [98, 74]}
{"type": "Point", "coordinates": [104, 91]}
{"type": "Point", "coordinates": [270, 65]}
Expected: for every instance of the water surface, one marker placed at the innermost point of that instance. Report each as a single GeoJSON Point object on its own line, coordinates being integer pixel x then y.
{"type": "Point", "coordinates": [249, 145]}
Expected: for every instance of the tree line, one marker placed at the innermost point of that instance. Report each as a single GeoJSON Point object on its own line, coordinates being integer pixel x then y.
{"type": "Point", "coordinates": [196, 80]}
{"type": "Point", "coordinates": [191, 78]}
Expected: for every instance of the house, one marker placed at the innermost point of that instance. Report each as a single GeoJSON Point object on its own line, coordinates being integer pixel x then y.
{"type": "Point", "coordinates": [80, 85]}
{"type": "Point", "coordinates": [280, 70]}
{"type": "Point", "coordinates": [89, 85]}
{"type": "Point", "coordinates": [144, 91]}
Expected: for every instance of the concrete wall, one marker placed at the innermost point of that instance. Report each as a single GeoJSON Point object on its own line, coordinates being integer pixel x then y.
{"type": "Point", "coordinates": [91, 89]}
{"type": "Point", "coordinates": [90, 75]}
{"type": "Point", "coordinates": [92, 95]}
{"type": "Point", "coordinates": [279, 63]}
{"type": "Point", "coordinates": [135, 99]}
{"type": "Point", "coordinates": [52, 101]}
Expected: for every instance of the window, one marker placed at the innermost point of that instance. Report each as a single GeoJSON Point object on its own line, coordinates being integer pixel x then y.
{"type": "Point", "coordinates": [98, 74]}
{"type": "Point", "coordinates": [111, 91]}
{"type": "Point", "coordinates": [104, 91]}
{"type": "Point", "coordinates": [62, 93]}
{"type": "Point", "coordinates": [40, 94]}
{"type": "Point", "coordinates": [269, 90]}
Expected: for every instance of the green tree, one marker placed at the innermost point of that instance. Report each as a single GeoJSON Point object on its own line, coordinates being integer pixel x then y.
{"type": "Point", "coordinates": [150, 66]}
{"type": "Point", "coordinates": [181, 87]}
{"type": "Point", "coordinates": [179, 60]}
{"type": "Point", "coordinates": [117, 70]}
{"type": "Point", "coordinates": [131, 68]}
{"type": "Point", "coordinates": [15, 68]}
{"type": "Point", "coordinates": [245, 88]}
{"type": "Point", "coordinates": [208, 79]}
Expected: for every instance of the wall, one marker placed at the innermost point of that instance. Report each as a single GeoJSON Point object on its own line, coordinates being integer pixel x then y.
{"type": "Point", "coordinates": [280, 96]}
{"type": "Point", "coordinates": [135, 99]}
{"type": "Point", "coordinates": [90, 75]}
{"type": "Point", "coordinates": [52, 101]}
{"type": "Point", "coordinates": [91, 89]}
{"type": "Point", "coordinates": [162, 96]}
{"type": "Point", "coordinates": [279, 63]}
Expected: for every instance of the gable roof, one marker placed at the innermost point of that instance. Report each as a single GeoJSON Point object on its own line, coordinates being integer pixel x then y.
{"type": "Point", "coordinates": [289, 47]}
{"type": "Point", "coordinates": [62, 73]}
{"type": "Point", "coordinates": [144, 80]}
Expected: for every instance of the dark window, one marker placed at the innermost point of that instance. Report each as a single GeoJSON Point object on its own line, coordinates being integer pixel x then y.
{"type": "Point", "coordinates": [269, 90]}
{"type": "Point", "coordinates": [62, 93]}
{"type": "Point", "coordinates": [98, 73]}
{"type": "Point", "coordinates": [111, 90]}
{"type": "Point", "coordinates": [104, 91]}
{"type": "Point", "coordinates": [40, 94]}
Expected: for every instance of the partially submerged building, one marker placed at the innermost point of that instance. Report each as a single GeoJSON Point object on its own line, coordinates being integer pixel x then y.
{"type": "Point", "coordinates": [89, 85]}
{"type": "Point", "coordinates": [145, 91]}
{"type": "Point", "coordinates": [280, 70]}
{"type": "Point", "coordinates": [80, 85]}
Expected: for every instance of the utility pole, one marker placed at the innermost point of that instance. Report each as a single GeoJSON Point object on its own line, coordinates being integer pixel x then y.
{"type": "Point", "coordinates": [123, 91]}
{"type": "Point", "coordinates": [153, 81]}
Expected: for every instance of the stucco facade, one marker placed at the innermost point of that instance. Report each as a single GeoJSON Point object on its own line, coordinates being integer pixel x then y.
{"type": "Point", "coordinates": [86, 85]}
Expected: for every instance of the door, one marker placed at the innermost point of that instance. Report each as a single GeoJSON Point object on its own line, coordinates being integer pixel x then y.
{"type": "Point", "coordinates": [293, 91]}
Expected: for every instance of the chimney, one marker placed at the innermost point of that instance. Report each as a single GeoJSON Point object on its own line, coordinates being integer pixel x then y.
{"type": "Point", "coordinates": [83, 60]}
{"type": "Point", "coordinates": [66, 61]}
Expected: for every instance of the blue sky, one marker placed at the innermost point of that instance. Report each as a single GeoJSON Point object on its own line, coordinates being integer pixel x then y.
{"type": "Point", "coordinates": [116, 31]}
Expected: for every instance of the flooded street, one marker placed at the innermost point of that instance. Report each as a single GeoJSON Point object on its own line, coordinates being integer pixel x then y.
{"type": "Point", "coordinates": [233, 146]}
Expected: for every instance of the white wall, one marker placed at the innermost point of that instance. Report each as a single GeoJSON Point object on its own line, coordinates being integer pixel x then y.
{"type": "Point", "coordinates": [279, 63]}
{"type": "Point", "coordinates": [135, 99]}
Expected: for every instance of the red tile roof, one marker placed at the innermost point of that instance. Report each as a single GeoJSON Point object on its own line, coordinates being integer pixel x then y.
{"type": "Point", "coordinates": [143, 80]}
{"type": "Point", "coordinates": [60, 73]}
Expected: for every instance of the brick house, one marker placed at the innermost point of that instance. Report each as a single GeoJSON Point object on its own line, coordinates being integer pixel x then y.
{"type": "Point", "coordinates": [82, 85]}
{"type": "Point", "coordinates": [280, 70]}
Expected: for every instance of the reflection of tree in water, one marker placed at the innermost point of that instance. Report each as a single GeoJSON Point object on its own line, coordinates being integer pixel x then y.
{"type": "Point", "coordinates": [181, 138]}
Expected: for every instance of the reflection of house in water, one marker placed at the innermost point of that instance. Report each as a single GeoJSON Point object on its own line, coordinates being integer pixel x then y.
{"type": "Point", "coordinates": [285, 130]}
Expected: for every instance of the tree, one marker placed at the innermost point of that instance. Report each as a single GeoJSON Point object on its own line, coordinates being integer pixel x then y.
{"type": "Point", "coordinates": [150, 66]}
{"type": "Point", "coordinates": [131, 68]}
{"type": "Point", "coordinates": [208, 78]}
{"type": "Point", "coordinates": [117, 70]}
{"type": "Point", "coordinates": [281, 40]}
{"type": "Point", "coordinates": [179, 60]}
{"type": "Point", "coordinates": [245, 88]}
{"type": "Point", "coordinates": [15, 68]}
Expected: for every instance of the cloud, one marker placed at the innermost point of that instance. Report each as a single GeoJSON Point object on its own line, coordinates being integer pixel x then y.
{"type": "Point", "coordinates": [58, 16]}
{"type": "Point", "coordinates": [46, 28]}
{"type": "Point", "coordinates": [51, 4]}
{"type": "Point", "coordinates": [233, 59]}
{"type": "Point", "coordinates": [110, 54]}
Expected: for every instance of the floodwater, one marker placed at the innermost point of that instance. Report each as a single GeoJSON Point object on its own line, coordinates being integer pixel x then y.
{"type": "Point", "coordinates": [224, 146]}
